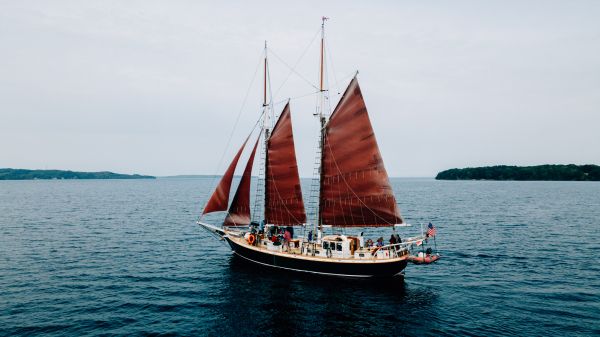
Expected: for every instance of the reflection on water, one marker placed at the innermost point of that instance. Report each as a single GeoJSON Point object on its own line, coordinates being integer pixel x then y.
{"type": "Point", "coordinates": [283, 302]}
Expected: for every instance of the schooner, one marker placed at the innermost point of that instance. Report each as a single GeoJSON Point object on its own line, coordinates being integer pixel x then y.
{"type": "Point", "coordinates": [353, 192]}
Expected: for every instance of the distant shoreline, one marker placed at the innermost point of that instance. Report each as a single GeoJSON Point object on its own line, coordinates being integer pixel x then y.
{"type": "Point", "coordinates": [524, 173]}
{"type": "Point", "coordinates": [24, 174]}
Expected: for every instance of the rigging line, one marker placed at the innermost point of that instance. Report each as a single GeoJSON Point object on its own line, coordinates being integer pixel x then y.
{"type": "Point", "coordinates": [271, 98]}
{"type": "Point", "coordinates": [249, 206]}
{"type": "Point", "coordinates": [293, 70]}
{"type": "Point", "coordinates": [283, 202]}
{"type": "Point", "coordinates": [337, 104]}
{"type": "Point", "coordinates": [273, 128]}
{"type": "Point", "coordinates": [279, 194]}
{"type": "Point", "coordinates": [352, 74]}
{"type": "Point", "coordinates": [327, 97]}
{"type": "Point", "coordinates": [297, 97]}
{"type": "Point", "coordinates": [237, 119]}
{"type": "Point", "coordinates": [257, 196]}
{"type": "Point", "coordinates": [337, 91]}
{"type": "Point", "coordinates": [350, 188]}
{"type": "Point", "coordinates": [298, 61]}
{"type": "Point", "coordinates": [215, 176]}
{"type": "Point", "coordinates": [281, 199]}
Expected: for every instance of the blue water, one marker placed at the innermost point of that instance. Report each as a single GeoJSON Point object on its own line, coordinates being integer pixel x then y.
{"type": "Point", "coordinates": [125, 257]}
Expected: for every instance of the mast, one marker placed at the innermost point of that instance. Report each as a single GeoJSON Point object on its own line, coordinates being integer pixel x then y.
{"type": "Point", "coordinates": [220, 197]}
{"type": "Point", "coordinates": [265, 79]}
{"type": "Point", "coordinates": [266, 128]}
{"type": "Point", "coordinates": [322, 120]}
{"type": "Point", "coordinates": [322, 50]}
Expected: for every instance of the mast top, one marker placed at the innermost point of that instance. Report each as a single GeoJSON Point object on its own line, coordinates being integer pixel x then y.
{"type": "Point", "coordinates": [323, 19]}
{"type": "Point", "coordinates": [265, 80]}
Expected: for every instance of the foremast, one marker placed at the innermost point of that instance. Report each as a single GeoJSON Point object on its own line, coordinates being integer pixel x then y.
{"type": "Point", "coordinates": [261, 197]}
{"type": "Point", "coordinates": [238, 213]}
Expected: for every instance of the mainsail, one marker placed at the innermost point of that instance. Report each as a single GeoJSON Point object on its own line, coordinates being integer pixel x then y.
{"type": "Point", "coordinates": [355, 188]}
{"type": "Point", "coordinates": [283, 197]}
{"type": "Point", "coordinates": [220, 197]}
{"type": "Point", "coordinates": [239, 210]}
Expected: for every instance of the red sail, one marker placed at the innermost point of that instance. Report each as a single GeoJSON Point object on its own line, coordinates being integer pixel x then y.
{"type": "Point", "coordinates": [283, 197]}
{"type": "Point", "coordinates": [239, 210]}
{"type": "Point", "coordinates": [220, 197]}
{"type": "Point", "coordinates": [355, 189]}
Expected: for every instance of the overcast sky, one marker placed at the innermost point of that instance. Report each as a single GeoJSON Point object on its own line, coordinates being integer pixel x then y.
{"type": "Point", "coordinates": [154, 87]}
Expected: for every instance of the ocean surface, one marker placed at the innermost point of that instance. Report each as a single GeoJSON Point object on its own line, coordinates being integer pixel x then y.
{"type": "Point", "coordinates": [104, 257]}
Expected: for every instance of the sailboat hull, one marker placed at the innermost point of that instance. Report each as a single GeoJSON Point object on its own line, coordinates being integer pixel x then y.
{"type": "Point", "coordinates": [383, 269]}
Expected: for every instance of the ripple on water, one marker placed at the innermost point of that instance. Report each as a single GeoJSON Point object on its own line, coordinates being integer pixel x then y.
{"type": "Point", "coordinates": [124, 257]}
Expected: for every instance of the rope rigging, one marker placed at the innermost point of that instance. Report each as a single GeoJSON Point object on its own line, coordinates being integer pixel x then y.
{"type": "Point", "coordinates": [352, 190]}
{"type": "Point", "coordinates": [235, 124]}
{"type": "Point", "coordinates": [292, 69]}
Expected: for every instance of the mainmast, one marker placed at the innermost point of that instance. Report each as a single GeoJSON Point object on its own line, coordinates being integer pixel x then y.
{"type": "Point", "coordinates": [322, 119]}
{"type": "Point", "coordinates": [265, 79]}
{"type": "Point", "coordinates": [266, 127]}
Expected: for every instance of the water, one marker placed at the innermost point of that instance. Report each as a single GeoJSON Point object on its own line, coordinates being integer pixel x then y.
{"type": "Point", "coordinates": [125, 257]}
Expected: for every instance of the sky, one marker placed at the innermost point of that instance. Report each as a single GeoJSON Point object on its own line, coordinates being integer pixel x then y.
{"type": "Point", "coordinates": [156, 87]}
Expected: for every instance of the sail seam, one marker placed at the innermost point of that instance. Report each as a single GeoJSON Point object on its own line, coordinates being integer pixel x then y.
{"type": "Point", "coordinates": [341, 174]}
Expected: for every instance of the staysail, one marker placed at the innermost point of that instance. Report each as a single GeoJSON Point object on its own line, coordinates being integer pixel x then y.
{"type": "Point", "coordinates": [220, 197]}
{"type": "Point", "coordinates": [283, 197]}
{"type": "Point", "coordinates": [355, 188]}
{"type": "Point", "coordinates": [239, 210]}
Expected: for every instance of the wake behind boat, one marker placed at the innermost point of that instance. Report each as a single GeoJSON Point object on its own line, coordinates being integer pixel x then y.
{"type": "Point", "coordinates": [350, 190]}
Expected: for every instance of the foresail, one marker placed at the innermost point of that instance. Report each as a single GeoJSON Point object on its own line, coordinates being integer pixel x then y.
{"type": "Point", "coordinates": [355, 188]}
{"type": "Point", "coordinates": [283, 197]}
{"type": "Point", "coordinates": [239, 210]}
{"type": "Point", "coordinates": [220, 197]}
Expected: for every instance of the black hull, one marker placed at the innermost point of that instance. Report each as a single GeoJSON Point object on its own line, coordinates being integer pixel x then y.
{"type": "Point", "coordinates": [331, 268]}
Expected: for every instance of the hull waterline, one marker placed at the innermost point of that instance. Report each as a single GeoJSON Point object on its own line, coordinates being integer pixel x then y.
{"type": "Point", "coordinates": [334, 268]}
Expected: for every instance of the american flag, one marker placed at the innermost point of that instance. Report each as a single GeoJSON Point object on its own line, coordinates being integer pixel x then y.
{"type": "Point", "coordinates": [431, 230]}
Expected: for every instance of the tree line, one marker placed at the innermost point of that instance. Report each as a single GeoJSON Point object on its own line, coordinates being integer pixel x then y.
{"type": "Point", "coordinates": [22, 174]}
{"type": "Point", "coordinates": [540, 172]}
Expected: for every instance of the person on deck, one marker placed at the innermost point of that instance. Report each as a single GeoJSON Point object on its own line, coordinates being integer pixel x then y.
{"type": "Point", "coordinates": [380, 242]}
{"type": "Point", "coordinates": [287, 236]}
{"type": "Point", "coordinates": [271, 231]}
{"type": "Point", "coordinates": [392, 239]}
{"type": "Point", "coordinates": [361, 240]}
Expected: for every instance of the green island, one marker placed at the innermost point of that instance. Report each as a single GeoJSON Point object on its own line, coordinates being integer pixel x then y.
{"type": "Point", "coordinates": [22, 174]}
{"type": "Point", "coordinates": [540, 172]}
